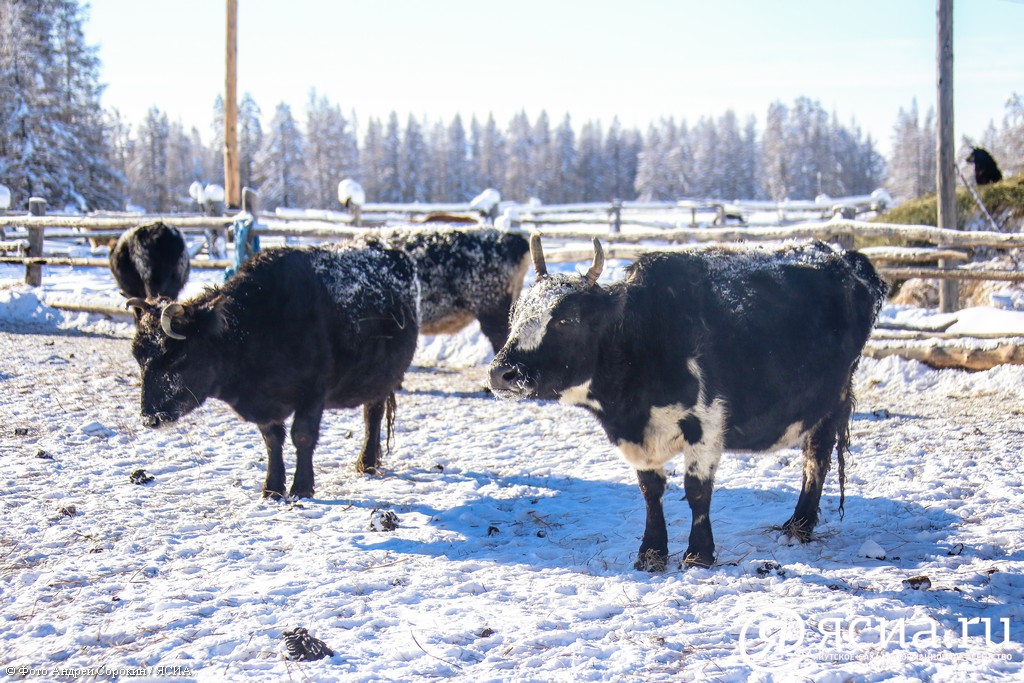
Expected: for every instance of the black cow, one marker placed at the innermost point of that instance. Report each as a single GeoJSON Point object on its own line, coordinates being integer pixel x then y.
{"type": "Point", "coordinates": [464, 274]}
{"type": "Point", "coordinates": [696, 352]}
{"type": "Point", "coordinates": [293, 331]}
{"type": "Point", "coordinates": [150, 261]}
{"type": "Point", "coordinates": [986, 171]}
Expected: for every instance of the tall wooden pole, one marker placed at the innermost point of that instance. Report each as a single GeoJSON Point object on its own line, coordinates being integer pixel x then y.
{"type": "Point", "coordinates": [949, 290]}
{"type": "Point", "coordinates": [232, 177]}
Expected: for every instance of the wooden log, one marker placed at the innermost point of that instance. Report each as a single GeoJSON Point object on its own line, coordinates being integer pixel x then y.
{"type": "Point", "coordinates": [96, 263]}
{"type": "Point", "coordinates": [827, 230]}
{"type": "Point", "coordinates": [951, 274]}
{"type": "Point", "coordinates": [891, 334]}
{"type": "Point", "coordinates": [943, 356]}
{"type": "Point", "coordinates": [113, 222]}
{"type": "Point", "coordinates": [911, 254]}
{"type": "Point", "coordinates": [14, 246]}
{"type": "Point", "coordinates": [97, 309]}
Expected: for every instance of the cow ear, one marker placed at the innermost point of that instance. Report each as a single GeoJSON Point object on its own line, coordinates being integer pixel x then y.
{"type": "Point", "coordinates": [213, 316]}
{"type": "Point", "coordinates": [137, 306]}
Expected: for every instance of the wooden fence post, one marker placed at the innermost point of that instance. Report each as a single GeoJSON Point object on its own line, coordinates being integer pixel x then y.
{"type": "Point", "coordinates": [34, 272]}
{"type": "Point", "coordinates": [945, 156]}
{"type": "Point", "coordinates": [846, 240]}
{"type": "Point", "coordinates": [615, 216]}
{"type": "Point", "coordinates": [250, 200]}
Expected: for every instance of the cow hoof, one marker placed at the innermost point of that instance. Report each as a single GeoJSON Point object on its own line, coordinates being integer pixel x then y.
{"type": "Point", "coordinates": [296, 494]}
{"type": "Point", "coordinates": [651, 560]}
{"type": "Point", "coordinates": [800, 529]}
{"type": "Point", "coordinates": [698, 559]}
{"type": "Point", "coordinates": [366, 469]}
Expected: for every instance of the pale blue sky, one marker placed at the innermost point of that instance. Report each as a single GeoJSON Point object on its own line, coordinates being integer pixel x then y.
{"type": "Point", "coordinates": [593, 59]}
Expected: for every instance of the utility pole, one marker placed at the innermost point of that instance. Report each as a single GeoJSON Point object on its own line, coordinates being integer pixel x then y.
{"type": "Point", "coordinates": [949, 290]}
{"type": "Point", "coordinates": [232, 177]}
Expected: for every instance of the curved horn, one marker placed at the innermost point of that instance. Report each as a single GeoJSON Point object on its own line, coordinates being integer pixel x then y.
{"type": "Point", "coordinates": [167, 317]}
{"type": "Point", "coordinates": [537, 252]}
{"type": "Point", "coordinates": [595, 270]}
{"type": "Point", "coordinates": [136, 302]}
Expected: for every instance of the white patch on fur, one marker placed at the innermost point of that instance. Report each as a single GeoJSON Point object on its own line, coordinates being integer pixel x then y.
{"type": "Point", "coordinates": [580, 396]}
{"type": "Point", "coordinates": [663, 439]}
{"type": "Point", "coordinates": [793, 437]}
{"type": "Point", "coordinates": [532, 311]}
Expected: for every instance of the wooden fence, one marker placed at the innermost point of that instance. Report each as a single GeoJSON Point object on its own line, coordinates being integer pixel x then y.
{"type": "Point", "coordinates": [568, 229]}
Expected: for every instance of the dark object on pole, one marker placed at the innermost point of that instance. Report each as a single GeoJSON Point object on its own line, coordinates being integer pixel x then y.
{"type": "Point", "coordinates": [986, 171]}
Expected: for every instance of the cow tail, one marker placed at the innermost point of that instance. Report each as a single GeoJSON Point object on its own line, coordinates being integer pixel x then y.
{"type": "Point", "coordinates": [843, 439]}
{"type": "Point", "coordinates": [390, 408]}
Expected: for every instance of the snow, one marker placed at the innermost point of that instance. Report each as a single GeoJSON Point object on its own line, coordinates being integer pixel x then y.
{"type": "Point", "coordinates": [508, 552]}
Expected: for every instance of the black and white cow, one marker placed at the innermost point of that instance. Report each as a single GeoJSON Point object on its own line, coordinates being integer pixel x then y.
{"type": "Point", "coordinates": [150, 261]}
{"type": "Point", "coordinates": [293, 332]}
{"type": "Point", "coordinates": [699, 351]}
{"type": "Point", "coordinates": [464, 274]}
{"type": "Point", "coordinates": [986, 171]}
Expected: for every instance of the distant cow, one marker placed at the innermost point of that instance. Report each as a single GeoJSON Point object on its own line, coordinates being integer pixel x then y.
{"type": "Point", "coordinates": [464, 274]}
{"type": "Point", "coordinates": [293, 331]}
{"type": "Point", "coordinates": [700, 351]}
{"type": "Point", "coordinates": [985, 169]}
{"type": "Point", "coordinates": [150, 261]}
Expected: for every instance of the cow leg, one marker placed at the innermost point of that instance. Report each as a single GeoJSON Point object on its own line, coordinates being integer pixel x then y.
{"type": "Point", "coordinates": [273, 437]}
{"type": "Point", "coordinates": [698, 483]}
{"type": "Point", "coordinates": [817, 446]}
{"type": "Point", "coordinates": [305, 434]}
{"type": "Point", "coordinates": [369, 457]}
{"type": "Point", "coordinates": [653, 554]}
{"type": "Point", "coordinates": [494, 325]}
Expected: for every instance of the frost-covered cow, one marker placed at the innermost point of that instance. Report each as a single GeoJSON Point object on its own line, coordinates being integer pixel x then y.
{"type": "Point", "coordinates": [150, 261]}
{"type": "Point", "coordinates": [700, 351]}
{"type": "Point", "coordinates": [464, 274]}
{"type": "Point", "coordinates": [986, 171]}
{"type": "Point", "coordinates": [294, 331]}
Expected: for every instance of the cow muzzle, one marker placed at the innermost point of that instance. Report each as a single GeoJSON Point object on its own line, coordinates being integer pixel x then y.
{"type": "Point", "coordinates": [158, 420]}
{"type": "Point", "coordinates": [511, 380]}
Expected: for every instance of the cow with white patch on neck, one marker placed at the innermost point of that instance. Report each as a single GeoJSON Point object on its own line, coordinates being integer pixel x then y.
{"type": "Point", "coordinates": [700, 351]}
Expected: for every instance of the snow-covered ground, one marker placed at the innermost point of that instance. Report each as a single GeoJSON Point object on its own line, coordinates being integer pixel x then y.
{"type": "Point", "coordinates": [517, 526]}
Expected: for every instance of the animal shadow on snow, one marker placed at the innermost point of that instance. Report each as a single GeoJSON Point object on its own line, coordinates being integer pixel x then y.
{"type": "Point", "coordinates": [595, 526]}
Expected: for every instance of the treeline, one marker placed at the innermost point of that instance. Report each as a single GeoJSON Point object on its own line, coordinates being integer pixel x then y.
{"type": "Point", "coordinates": [57, 142]}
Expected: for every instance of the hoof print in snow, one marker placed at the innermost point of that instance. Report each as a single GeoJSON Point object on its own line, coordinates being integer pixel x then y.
{"type": "Point", "coordinates": [918, 583]}
{"type": "Point", "coordinates": [768, 568]}
{"type": "Point", "coordinates": [43, 455]}
{"type": "Point", "coordinates": [302, 647]}
{"type": "Point", "coordinates": [67, 511]}
{"type": "Point", "coordinates": [140, 477]}
{"type": "Point", "coordinates": [21, 431]}
{"type": "Point", "coordinates": [493, 531]}
{"type": "Point", "coordinates": [881, 414]}
{"type": "Point", "coordinates": [485, 633]}
{"type": "Point", "coordinates": [383, 520]}
{"type": "Point", "coordinates": [957, 549]}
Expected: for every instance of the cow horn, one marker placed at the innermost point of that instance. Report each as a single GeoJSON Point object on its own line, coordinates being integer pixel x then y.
{"type": "Point", "coordinates": [537, 252]}
{"type": "Point", "coordinates": [136, 302]}
{"type": "Point", "coordinates": [167, 317]}
{"type": "Point", "coordinates": [595, 270]}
